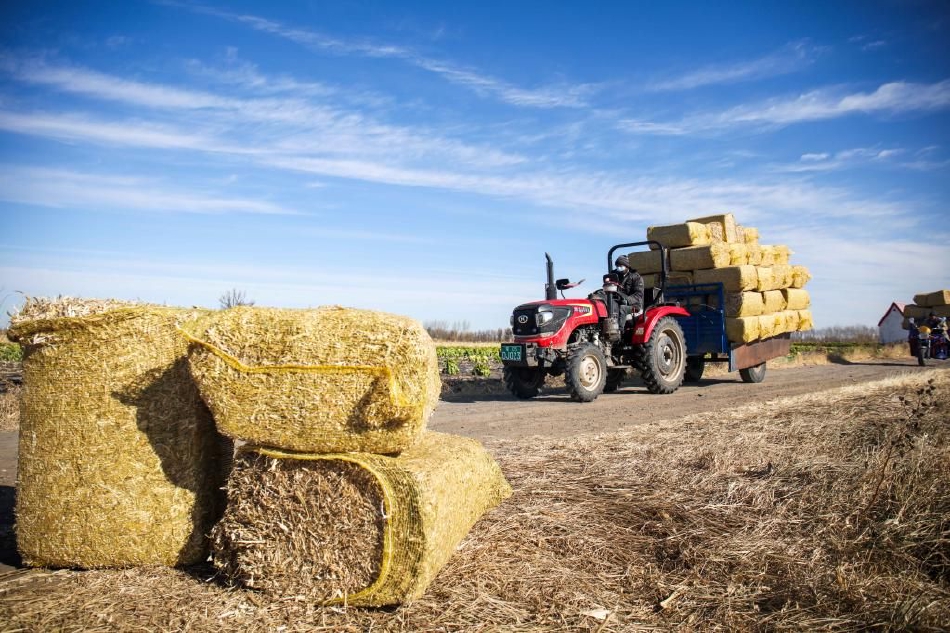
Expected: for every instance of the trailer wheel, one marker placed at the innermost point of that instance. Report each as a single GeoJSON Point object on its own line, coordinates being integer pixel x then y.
{"type": "Point", "coordinates": [753, 374]}
{"type": "Point", "coordinates": [662, 359]}
{"type": "Point", "coordinates": [523, 382]}
{"type": "Point", "coordinates": [694, 368]}
{"type": "Point", "coordinates": [614, 380]}
{"type": "Point", "coordinates": [586, 372]}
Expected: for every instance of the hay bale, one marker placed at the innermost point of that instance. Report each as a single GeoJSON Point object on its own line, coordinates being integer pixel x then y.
{"type": "Point", "coordinates": [792, 320]}
{"type": "Point", "coordinates": [933, 299]}
{"type": "Point", "coordinates": [781, 254]}
{"type": "Point", "coordinates": [750, 235]}
{"type": "Point", "coordinates": [646, 262]}
{"type": "Point", "coordinates": [764, 279]}
{"type": "Point", "coordinates": [804, 320]}
{"type": "Point", "coordinates": [771, 325]}
{"type": "Point", "coordinates": [678, 235]}
{"type": "Point", "coordinates": [325, 380]}
{"type": "Point", "coordinates": [744, 304]}
{"type": "Point", "coordinates": [768, 255]}
{"type": "Point", "coordinates": [693, 258]}
{"type": "Point", "coordinates": [733, 278]}
{"type": "Point", "coordinates": [119, 461]}
{"type": "Point", "coordinates": [356, 528]}
{"type": "Point", "coordinates": [722, 228]}
{"type": "Point", "coordinates": [742, 329]}
{"type": "Point", "coordinates": [800, 276]}
{"type": "Point", "coordinates": [796, 298]}
{"type": "Point", "coordinates": [921, 312]}
{"type": "Point", "coordinates": [782, 275]}
{"type": "Point", "coordinates": [753, 254]}
{"type": "Point", "coordinates": [774, 301]}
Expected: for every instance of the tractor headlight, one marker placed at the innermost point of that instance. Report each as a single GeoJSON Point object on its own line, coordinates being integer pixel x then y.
{"type": "Point", "coordinates": [544, 316]}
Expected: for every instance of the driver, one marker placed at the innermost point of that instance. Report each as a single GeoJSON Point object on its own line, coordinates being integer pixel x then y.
{"type": "Point", "coordinates": [630, 285]}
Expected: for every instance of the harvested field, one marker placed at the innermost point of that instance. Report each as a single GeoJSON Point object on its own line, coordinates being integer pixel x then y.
{"type": "Point", "coordinates": [824, 511]}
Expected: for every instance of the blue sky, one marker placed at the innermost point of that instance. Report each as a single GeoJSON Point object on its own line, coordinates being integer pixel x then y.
{"type": "Point", "coordinates": [420, 158]}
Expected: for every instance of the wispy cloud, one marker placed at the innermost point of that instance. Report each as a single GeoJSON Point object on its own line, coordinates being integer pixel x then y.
{"type": "Point", "coordinates": [556, 96]}
{"type": "Point", "coordinates": [845, 159]}
{"type": "Point", "coordinates": [790, 58]}
{"type": "Point", "coordinates": [60, 188]}
{"type": "Point", "coordinates": [890, 99]}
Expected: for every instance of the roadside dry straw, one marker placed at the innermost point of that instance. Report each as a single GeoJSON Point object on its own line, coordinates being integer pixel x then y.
{"type": "Point", "coordinates": [353, 528]}
{"type": "Point", "coordinates": [323, 380]}
{"type": "Point", "coordinates": [819, 512]}
{"type": "Point", "coordinates": [119, 460]}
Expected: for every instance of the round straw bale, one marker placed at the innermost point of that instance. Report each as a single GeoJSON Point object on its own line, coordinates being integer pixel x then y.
{"type": "Point", "coordinates": [324, 380]}
{"type": "Point", "coordinates": [119, 460]}
{"type": "Point", "coordinates": [356, 528]}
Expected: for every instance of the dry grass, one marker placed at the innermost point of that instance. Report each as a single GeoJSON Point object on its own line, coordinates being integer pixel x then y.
{"type": "Point", "coordinates": [9, 407]}
{"type": "Point", "coordinates": [828, 511]}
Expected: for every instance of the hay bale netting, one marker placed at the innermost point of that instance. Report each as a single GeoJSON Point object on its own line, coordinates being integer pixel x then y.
{"type": "Point", "coordinates": [733, 278]}
{"type": "Point", "coordinates": [717, 255]}
{"type": "Point", "coordinates": [932, 299]}
{"type": "Point", "coordinates": [119, 461]}
{"type": "Point", "coordinates": [722, 228]}
{"type": "Point", "coordinates": [326, 380]}
{"type": "Point", "coordinates": [356, 528]}
{"type": "Point", "coordinates": [679, 235]}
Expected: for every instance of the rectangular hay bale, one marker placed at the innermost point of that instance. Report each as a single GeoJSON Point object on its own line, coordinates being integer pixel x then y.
{"type": "Point", "coordinates": [733, 278]}
{"type": "Point", "coordinates": [774, 301]}
{"type": "Point", "coordinates": [921, 312]}
{"type": "Point", "coordinates": [722, 228]}
{"type": "Point", "coordinates": [796, 298]}
{"type": "Point", "coordinates": [933, 299]}
{"type": "Point", "coordinates": [119, 461]}
{"type": "Point", "coordinates": [325, 380]}
{"type": "Point", "coordinates": [646, 262]}
{"type": "Point", "coordinates": [744, 304]}
{"type": "Point", "coordinates": [716, 255]}
{"type": "Point", "coordinates": [792, 320]}
{"type": "Point", "coordinates": [679, 235]}
{"type": "Point", "coordinates": [353, 528]}
{"type": "Point", "coordinates": [742, 329]}
{"type": "Point", "coordinates": [805, 321]}
{"type": "Point", "coordinates": [750, 235]}
{"type": "Point", "coordinates": [800, 276]}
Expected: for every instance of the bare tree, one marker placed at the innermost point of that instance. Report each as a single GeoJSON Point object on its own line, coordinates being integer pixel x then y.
{"type": "Point", "coordinates": [234, 297]}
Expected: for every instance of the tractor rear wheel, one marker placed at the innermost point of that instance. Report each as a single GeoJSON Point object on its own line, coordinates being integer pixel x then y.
{"type": "Point", "coordinates": [614, 380]}
{"type": "Point", "coordinates": [753, 374]}
{"type": "Point", "coordinates": [586, 372]}
{"type": "Point", "coordinates": [694, 368]}
{"type": "Point", "coordinates": [662, 359]}
{"type": "Point", "coordinates": [523, 382]}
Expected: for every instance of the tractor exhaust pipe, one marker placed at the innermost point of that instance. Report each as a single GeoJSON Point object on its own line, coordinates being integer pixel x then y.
{"type": "Point", "coordinates": [550, 292]}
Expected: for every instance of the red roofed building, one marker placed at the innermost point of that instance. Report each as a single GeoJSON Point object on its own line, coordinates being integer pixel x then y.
{"type": "Point", "coordinates": [891, 326]}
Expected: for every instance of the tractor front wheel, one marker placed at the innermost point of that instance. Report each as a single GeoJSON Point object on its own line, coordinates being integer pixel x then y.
{"type": "Point", "coordinates": [586, 372]}
{"type": "Point", "coordinates": [662, 359]}
{"type": "Point", "coordinates": [523, 382]}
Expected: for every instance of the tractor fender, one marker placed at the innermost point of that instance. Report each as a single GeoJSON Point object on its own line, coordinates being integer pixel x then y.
{"type": "Point", "coordinates": [648, 320]}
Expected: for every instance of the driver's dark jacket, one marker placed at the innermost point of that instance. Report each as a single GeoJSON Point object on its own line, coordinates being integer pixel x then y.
{"type": "Point", "coordinates": [631, 288]}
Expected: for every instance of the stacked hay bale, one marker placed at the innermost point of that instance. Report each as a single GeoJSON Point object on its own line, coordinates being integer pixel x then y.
{"type": "Point", "coordinates": [119, 461]}
{"type": "Point", "coordinates": [765, 293]}
{"type": "Point", "coordinates": [341, 495]}
{"type": "Point", "coordinates": [924, 303]}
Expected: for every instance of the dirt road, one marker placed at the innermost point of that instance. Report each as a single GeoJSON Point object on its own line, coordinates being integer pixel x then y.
{"type": "Point", "coordinates": [483, 410]}
{"type": "Point", "coordinates": [553, 414]}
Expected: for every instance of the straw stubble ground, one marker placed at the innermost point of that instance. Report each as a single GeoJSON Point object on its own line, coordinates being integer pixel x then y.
{"type": "Point", "coordinates": [826, 511]}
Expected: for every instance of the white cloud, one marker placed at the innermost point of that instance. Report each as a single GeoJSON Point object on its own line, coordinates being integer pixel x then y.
{"type": "Point", "coordinates": [790, 58]}
{"type": "Point", "coordinates": [70, 189]}
{"type": "Point", "coordinates": [818, 105]}
{"type": "Point", "coordinates": [561, 96]}
{"type": "Point", "coordinates": [844, 159]}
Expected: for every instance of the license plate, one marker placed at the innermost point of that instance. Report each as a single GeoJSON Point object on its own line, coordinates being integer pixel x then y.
{"type": "Point", "coordinates": [512, 352]}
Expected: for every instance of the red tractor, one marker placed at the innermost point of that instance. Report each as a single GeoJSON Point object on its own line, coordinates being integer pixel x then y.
{"type": "Point", "coordinates": [679, 330]}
